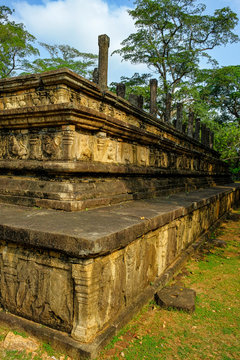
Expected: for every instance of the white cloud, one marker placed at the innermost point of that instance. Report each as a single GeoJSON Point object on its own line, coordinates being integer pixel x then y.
{"type": "Point", "coordinates": [78, 23]}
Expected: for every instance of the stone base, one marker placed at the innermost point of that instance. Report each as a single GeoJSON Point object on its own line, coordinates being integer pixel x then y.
{"type": "Point", "coordinates": [63, 342]}
{"type": "Point", "coordinates": [74, 187]}
{"type": "Point", "coordinates": [83, 275]}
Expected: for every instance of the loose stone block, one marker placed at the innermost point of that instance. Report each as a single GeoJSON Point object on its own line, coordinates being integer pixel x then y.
{"type": "Point", "coordinates": [14, 342]}
{"type": "Point", "coordinates": [176, 297]}
{"type": "Point", "coordinates": [219, 243]}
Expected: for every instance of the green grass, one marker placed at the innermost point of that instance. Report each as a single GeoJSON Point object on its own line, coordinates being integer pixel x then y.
{"type": "Point", "coordinates": [20, 333]}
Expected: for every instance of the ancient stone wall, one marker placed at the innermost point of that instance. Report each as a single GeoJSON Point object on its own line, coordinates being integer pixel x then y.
{"type": "Point", "coordinates": [77, 147]}
{"type": "Point", "coordinates": [82, 291]}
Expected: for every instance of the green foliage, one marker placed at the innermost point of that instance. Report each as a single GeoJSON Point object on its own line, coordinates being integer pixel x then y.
{"type": "Point", "coordinates": [16, 44]}
{"type": "Point", "coordinates": [18, 355]}
{"type": "Point", "coordinates": [20, 333]}
{"type": "Point", "coordinates": [221, 90]}
{"type": "Point", "coordinates": [49, 350]}
{"type": "Point", "coordinates": [16, 47]}
{"type": "Point", "coordinates": [62, 56]}
{"type": "Point", "coordinates": [172, 36]}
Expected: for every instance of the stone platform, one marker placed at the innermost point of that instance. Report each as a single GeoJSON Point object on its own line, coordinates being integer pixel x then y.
{"type": "Point", "coordinates": [67, 145]}
{"type": "Point", "coordinates": [84, 274]}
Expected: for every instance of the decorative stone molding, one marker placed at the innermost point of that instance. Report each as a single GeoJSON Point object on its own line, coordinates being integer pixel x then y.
{"type": "Point", "coordinates": [85, 300]}
{"type": "Point", "coordinates": [67, 141]}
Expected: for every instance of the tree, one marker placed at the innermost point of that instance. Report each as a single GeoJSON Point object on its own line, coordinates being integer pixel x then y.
{"type": "Point", "coordinates": [172, 36]}
{"type": "Point", "coordinates": [62, 56]}
{"type": "Point", "coordinates": [221, 90]}
{"type": "Point", "coordinates": [16, 47]}
{"type": "Point", "coordinates": [16, 44]}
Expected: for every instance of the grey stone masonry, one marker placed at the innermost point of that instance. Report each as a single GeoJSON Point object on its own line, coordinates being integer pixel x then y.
{"type": "Point", "coordinates": [95, 75]}
{"type": "Point", "coordinates": [207, 137]}
{"type": "Point", "coordinates": [121, 90]}
{"type": "Point", "coordinates": [203, 134]}
{"type": "Point", "coordinates": [168, 108]}
{"type": "Point", "coordinates": [190, 124]}
{"type": "Point", "coordinates": [197, 129]}
{"type": "Point", "coordinates": [103, 43]}
{"type": "Point", "coordinates": [211, 139]}
{"type": "Point", "coordinates": [153, 96]}
{"type": "Point", "coordinates": [136, 100]}
{"type": "Point", "coordinates": [179, 116]}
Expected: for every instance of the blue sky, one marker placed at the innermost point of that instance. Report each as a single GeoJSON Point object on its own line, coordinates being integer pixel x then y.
{"type": "Point", "coordinates": [79, 22]}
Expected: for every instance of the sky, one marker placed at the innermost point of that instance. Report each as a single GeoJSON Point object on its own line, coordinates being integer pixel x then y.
{"type": "Point", "coordinates": [79, 22]}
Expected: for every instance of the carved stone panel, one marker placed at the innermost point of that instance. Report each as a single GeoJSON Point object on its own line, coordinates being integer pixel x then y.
{"type": "Point", "coordinates": [36, 287]}
{"type": "Point", "coordinates": [83, 147]}
{"type": "Point", "coordinates": [18, 146]}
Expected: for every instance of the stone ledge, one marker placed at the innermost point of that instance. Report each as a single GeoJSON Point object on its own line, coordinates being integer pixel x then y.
{"type": "Point", "coordinates": [63, 342]}
{"type": "Point", "coordinates": [100, 231]}
{"type": "Point", "coordinates": [76, 167]}
{"type": "Point", "coordinates": [73, 81]}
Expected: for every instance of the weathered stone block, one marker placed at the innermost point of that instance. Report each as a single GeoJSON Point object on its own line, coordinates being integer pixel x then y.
{"type": "Point", "coordinates": [176, 297]}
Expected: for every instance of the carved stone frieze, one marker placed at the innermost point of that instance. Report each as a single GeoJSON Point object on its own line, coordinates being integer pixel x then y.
{"type": "Point", "coordinates": [83, 147]}
{"type": "Point", "coordinates": [163, 160]}
{"type": "Point", "coordinates": [51, 146]}
{"type": "Point", "coordinates": [67, 141]}
{"type": "Point", "coordinates": [18, 146]}
{"type": "Point", "coordinates": [127, 153]}
{"type": "Point", "coordinates": [36, 287]}
{"type": "Point", "coordinates": [3, 146]}
{"type": "Point", "coordinates": [84, 323]}
{"type": "Point", "coordinates": [40, 145]}
{"type": "Point", "coordinates": [142, 156]}
{"type": "Point", "coordinates": [35, 147]}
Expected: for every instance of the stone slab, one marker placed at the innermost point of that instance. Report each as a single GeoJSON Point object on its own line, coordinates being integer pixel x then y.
{"type": "Point", "coordinates": [99, 231]}
{"type": "Point", "coordinates": [218, 243]}
{"type": "Point", "coordinates": [176, 297]}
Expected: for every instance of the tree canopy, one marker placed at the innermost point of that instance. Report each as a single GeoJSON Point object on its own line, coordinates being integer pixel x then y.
{"type": "Point", "coordinates": [16, 43]}
{"type": "Point", "coordinates": [220, 88]}
{"type": "Point", "coordinates": [172, 36]}
{"type": "Point", "coordinates": [18, 52]}
{"type": "Point", "coordinates": [61, 56]}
